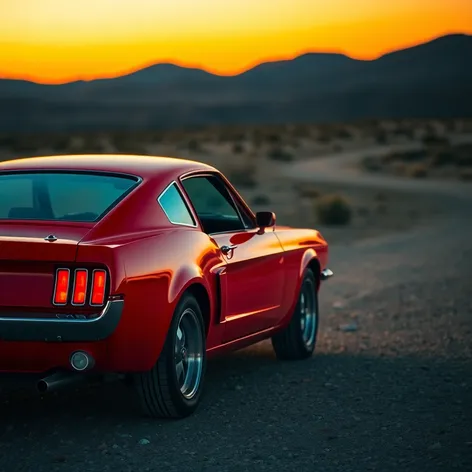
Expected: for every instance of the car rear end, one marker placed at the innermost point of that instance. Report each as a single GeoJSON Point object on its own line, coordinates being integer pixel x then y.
{"type": "Point", "coordinates": [59, 295]}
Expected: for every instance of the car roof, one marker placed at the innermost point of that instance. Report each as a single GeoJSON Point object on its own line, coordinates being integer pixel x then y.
{"type": "Point", "coordinates": [141, 166]}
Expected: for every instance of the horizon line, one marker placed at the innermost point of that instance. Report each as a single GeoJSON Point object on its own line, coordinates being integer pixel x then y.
{"type": "Point", "coordinates": [268, 60]}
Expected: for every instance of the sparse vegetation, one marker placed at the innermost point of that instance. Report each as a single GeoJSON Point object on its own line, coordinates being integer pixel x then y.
{"type": "Point", "coordinates": [333, 210]}
{"type": "Point", "coordinates": [280, 154]}
{"type": "Point", "coordinates": [438, 158]}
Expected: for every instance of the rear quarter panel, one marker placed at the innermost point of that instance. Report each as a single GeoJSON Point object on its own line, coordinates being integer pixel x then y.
{"type": "Point", "coordinates": [156, 270]}
{"type": "Point", "coordinates": [303, 247]}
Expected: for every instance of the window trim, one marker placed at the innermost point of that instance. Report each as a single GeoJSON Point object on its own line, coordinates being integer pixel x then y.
{"type": "Point", "coordinates": [137, 182]}
{"type": "Point", "coordinates": [184, 201]}
{"type": "Point", "coordinates": [233, 194]}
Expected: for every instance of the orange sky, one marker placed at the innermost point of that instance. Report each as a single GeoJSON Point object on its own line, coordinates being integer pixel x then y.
{"type": "Point", "coordinates": [63, 40]}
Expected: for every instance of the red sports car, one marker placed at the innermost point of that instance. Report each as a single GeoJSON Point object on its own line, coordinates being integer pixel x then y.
{"type": "Point", "coordinates": [144, 266]}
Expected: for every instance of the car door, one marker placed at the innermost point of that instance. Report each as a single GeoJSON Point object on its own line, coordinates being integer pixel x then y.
{"type": "Point", "coordinates": [252, 281]}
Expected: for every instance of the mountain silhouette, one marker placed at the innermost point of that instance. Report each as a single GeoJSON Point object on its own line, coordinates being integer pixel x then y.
{"type": "Point", "coordinates": [433, 79]}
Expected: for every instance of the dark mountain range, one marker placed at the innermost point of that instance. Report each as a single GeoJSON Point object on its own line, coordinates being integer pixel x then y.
{"type": "Point", "coordinates": [433, 79]}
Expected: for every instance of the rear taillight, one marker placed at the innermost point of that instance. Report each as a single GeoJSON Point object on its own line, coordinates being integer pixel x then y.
{"type": "Point", "coordinates": [99, 279]}
{"type": "Point", "coordinates": [61, 290]}
{"type": "Point", "coordinates": [81, 288]}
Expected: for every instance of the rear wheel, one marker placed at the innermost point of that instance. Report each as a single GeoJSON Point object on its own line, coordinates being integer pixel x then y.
{"type": "Point", "coordinates": [298, 339]}
{"type": "Point", "coordinates": [173, 387]}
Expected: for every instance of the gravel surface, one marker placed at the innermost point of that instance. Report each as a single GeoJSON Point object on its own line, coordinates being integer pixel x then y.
{"type": "Point", "coordinates": [388, 389]}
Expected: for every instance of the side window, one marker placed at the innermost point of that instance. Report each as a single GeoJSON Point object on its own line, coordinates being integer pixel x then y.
{"type": "Point", "coordinates": [213, 204]}
{"type": "Point", "coordinates": [174, 207]}
{"type": "Point", "coordinates": [247, 220]}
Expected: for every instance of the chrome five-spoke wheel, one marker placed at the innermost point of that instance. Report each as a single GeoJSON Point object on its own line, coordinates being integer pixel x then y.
{"type": "Point", "coordinates": [308, 314]}
{"type": "Point", "coordinates": [188, 353]}
{"type": "Point", "coordinates": [298, 339]}
{"type": "Point", "coordinates": [173, 387]}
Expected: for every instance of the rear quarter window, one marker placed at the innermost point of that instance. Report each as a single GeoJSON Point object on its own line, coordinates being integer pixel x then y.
{"type": "Point", "coordinates": [174, 206]}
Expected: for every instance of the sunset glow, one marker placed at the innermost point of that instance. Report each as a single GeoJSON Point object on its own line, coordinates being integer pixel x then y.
{"type": "Point", "coordinates": [63, 40]}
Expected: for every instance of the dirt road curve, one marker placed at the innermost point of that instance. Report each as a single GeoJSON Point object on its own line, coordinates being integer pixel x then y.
{"type": "Point", "coordinates": [390, 390]}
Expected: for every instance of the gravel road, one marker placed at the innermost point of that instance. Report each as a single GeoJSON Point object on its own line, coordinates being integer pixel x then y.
{"type": "Point", "coordinates": [388, 389]}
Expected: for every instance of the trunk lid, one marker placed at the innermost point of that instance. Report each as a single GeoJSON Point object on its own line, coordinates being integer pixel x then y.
{"type": "Point", "coordinates": [26, 242]}
{"type": "Point", "coordinates": [28, 262]}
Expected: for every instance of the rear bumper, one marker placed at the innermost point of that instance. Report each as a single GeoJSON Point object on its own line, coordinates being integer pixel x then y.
{"type": "Point", "coordinates": [326, 274]}
{"type": "Point", "coordinates": [63, 330]}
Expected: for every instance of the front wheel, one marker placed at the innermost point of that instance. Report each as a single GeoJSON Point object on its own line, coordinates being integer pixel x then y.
{"type": "Point", "coordinates": [298, 339]}
{"type": "Point", "coordinates": [173, 387]}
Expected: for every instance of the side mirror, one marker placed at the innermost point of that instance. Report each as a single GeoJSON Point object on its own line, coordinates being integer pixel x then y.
{"type": "Point", "coordinates": [265, 219]}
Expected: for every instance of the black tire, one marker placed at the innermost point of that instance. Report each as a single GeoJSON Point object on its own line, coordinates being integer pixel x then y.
{"type": "Point", "coordinates": [290, 344]}
{"type": "Point", "coordinates": [159, 389]}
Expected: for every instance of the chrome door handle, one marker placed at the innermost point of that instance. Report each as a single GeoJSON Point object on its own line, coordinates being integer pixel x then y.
{"type": "Point", "coordinates": [226, 249]}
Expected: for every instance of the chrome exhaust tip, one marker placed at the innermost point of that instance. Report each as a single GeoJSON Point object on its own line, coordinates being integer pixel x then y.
{"type": "Point", "coordinates": [81, 361]}
{"type": "Point", "coordinates": [58, 380]}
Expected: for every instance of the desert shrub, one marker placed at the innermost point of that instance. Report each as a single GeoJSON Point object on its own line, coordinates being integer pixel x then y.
{"type": "Point", "coordinates": [280, 154]}
{"type": "Point", "coordinates": [417, 171]}
{"type": "Point", "coordinates": [333, 210]}
{"type": "Point", "coordinates": [238, 148]}
{"type": "Point", "coordinates": [261, 200]}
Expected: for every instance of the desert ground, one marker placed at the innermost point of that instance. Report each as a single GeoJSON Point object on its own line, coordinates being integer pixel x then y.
{"type": "Point", "coordinates": [389, 387]}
